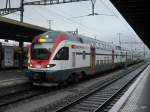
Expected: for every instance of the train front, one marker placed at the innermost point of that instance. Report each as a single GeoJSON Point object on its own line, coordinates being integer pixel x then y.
{"type": "Point", "coordinates": [41, 68]}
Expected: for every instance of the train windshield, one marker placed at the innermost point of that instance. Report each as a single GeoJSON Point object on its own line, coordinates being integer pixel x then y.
{"type": "Point", "coordinates": [41, 51]}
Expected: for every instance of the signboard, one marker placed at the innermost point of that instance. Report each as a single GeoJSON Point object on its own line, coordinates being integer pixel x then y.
{"type": "Point", "coordinates": [8, 56]}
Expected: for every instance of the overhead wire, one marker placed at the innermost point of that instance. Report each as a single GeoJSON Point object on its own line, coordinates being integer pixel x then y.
{"type": "Point", "coordinates": [40, 14]}
{"type": "Point", "coordinates": [66, 19]}
{"type": "Point", "coordinates": [72, 21]}
{"type": "Point", "coordinates": [102, 2]}
{"type": "Point", "coordinates": [33, 10]}
{"type": "Point", "coordinates": [15, 13]}
{"type": "Point", "coordinates": [126, 25]}
{"type": "Point", "coordinates": [95, 13]}
{"type": "Point", "coordinates": [58, 16]}
{"type": "Point", "coordinates": [47, 17]}
{"type": "Point", "coordinates": [90, 29]}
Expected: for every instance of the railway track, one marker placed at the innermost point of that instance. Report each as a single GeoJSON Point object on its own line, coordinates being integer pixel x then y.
{"type": "Point", "coordinates": [8, 100]}
{"type": "Point", "coordinates": [102, 98]}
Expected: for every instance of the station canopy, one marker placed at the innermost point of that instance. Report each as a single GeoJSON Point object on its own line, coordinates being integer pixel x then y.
{"type": "Point", "coordinates": [137, 14]}
{"type": "Point", "coordinates": [15, 30]}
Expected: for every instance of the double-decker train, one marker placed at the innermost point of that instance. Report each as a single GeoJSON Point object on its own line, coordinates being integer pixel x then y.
{"type": "Point", "coordinates": [57, 57]}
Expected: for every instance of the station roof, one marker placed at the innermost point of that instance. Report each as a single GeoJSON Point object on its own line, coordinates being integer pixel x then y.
{"type": "Point", "coordinates": [15, 30]}
{"type": "Point", "coordinates": [137, 14]}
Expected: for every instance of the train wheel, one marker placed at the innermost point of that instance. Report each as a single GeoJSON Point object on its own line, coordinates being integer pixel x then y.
{"type": "Point", "coordinates": [73, 78]}
{"type": "Point", "coordinates": [76, 78]}
{"type": "Point", "coordinates": [63, 84]}
{"type": "Point", "coordinates": [83, 74]}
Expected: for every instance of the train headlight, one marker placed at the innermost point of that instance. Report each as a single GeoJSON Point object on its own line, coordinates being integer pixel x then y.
{"type": "Point", "coordinates": [30, 65]}
{"type": "Point", "coordinates": [50, 65]}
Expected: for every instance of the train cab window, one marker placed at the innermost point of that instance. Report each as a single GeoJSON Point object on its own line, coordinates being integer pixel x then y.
{"type": "Point", "coordinates": [62, 54]}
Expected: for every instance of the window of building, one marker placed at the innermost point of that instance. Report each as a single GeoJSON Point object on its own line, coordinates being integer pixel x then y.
{"type": "Point", "coordinates": [62, 54]}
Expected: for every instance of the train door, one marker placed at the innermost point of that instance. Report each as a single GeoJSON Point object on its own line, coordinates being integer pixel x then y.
{"type": "Point", "coordinates": [73, 59]}
{"type": "Point", "coordinates": [92, 60]}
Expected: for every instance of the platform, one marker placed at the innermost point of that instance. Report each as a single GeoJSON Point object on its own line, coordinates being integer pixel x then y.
{"type": "Point", "coordinates": [12, 81]}
{"type": "Point", "coordinates": [136, 99]}
{"type": "Point", "coordinates": [12, 77]}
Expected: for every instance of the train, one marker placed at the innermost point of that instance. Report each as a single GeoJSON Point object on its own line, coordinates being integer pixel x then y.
{"type": "Point", "coordinates": [56, 57]}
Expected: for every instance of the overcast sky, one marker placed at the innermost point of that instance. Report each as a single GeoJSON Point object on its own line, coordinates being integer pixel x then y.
{"type": "Point", "coordinates": [104, 27]}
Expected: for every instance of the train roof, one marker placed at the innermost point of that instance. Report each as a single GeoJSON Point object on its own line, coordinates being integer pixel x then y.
{"type": "Point", "coordinates": [98, 43]}
{"type": "Point", "coordinates": [74, 37]}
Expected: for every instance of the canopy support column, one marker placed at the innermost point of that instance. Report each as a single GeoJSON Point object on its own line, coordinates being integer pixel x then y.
{"type": "Point", "coordinates": [21, 57]}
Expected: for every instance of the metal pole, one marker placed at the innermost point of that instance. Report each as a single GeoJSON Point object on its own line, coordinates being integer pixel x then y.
{"type": "Point", "coordinates": [119, 40]}
{"type": "Point", "coordinates": [93, 7]}
{"type": "Point", "coordinates": [9, 4]}
{"type": "Point", "coordinates": [21, 57]}
{"type": "Point", "coordinates": [50, 24]}
{"type": "Point", "coordinates": [22, 10]}
{"type": "Point", "coordinates": [77, 30]}
{"type": "Point", "coordinates": [6, 3]}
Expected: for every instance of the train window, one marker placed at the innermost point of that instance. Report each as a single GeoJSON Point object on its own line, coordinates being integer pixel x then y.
{"type": "Point", "coordinates": [103, 46]}
{"type": "Point", "coordinates": [122, 55]}
{"type": "Point", "coordinates": [84, 55]}
{"type": "Point", "coordinates": [62, 54]}
{"type": "Point", "coordinates": [81, 40]}
{"type": "Point", "coordinates": [97, 62]}
{"type": "Point", "coordinates": [99, 45]}
{"type": "Point", "coordinates": [101, 61]}
{"type": "Point", "coordinates": [41, 51]}
{"type": "Point", "coordinates": [107, 60]}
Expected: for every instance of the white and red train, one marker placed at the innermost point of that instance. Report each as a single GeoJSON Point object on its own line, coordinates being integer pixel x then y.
{"type": "Point", "coordinates": [56, 57]}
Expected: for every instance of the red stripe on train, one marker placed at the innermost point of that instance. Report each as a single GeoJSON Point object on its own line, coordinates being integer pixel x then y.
{"type": "Point", "coordinates": [58, 40]}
